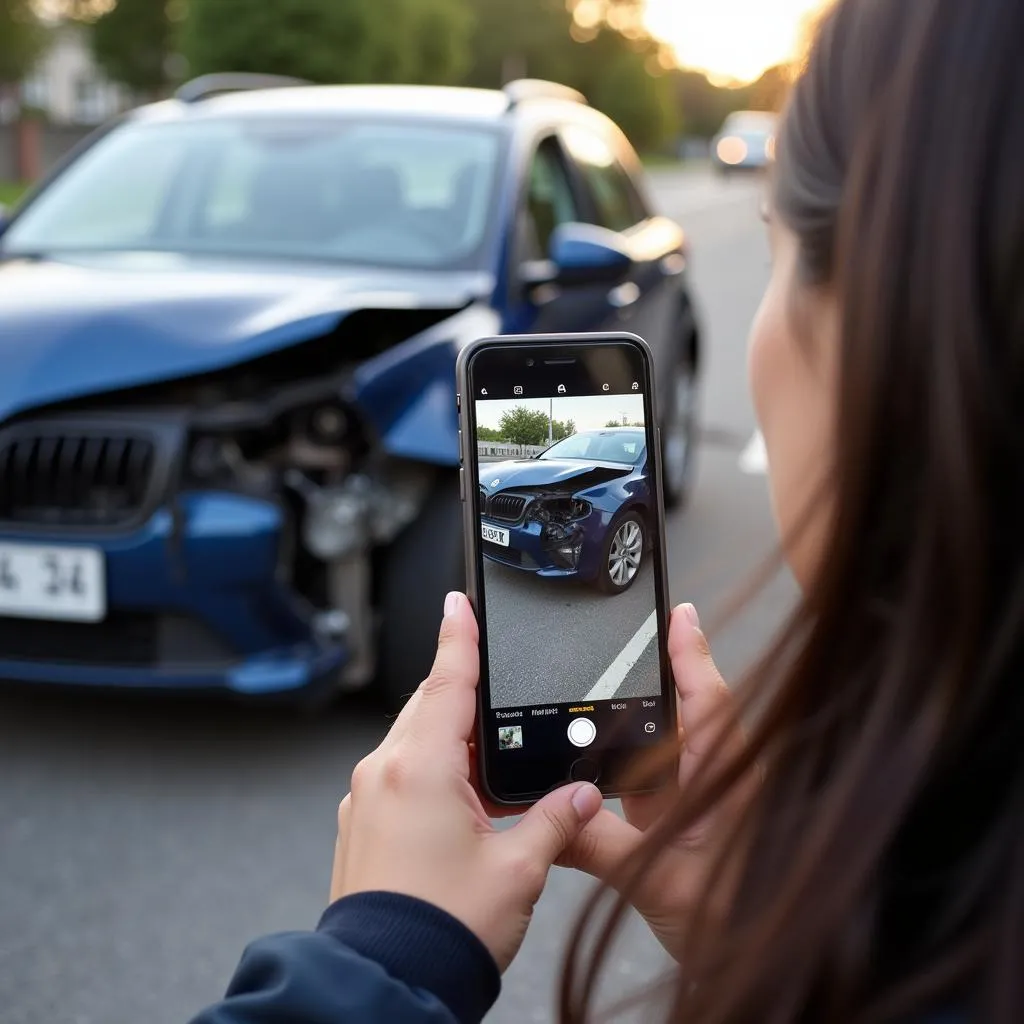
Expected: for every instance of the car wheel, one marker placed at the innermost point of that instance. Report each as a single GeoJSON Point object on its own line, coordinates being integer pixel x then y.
{"type": "Point", "coordinates": [679, 433]}
{"type": "Point", "coordinates": [420, 568]}
{"type": "Point", "coordinates": [623, 554]}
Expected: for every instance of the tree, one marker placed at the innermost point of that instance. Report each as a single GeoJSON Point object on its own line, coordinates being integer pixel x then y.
{"type": "Point", "coordinates": [562, 429]}
{"type": "Point", "coordinates": [489, 434]}
{"type": "Point", "coordinates": [133, 42]}
{"type": "Point", "coordinates": [21, 37]}
{"type": "Point", "coordinates": [524, 426]}
{"type": "Point", "coordinates": [624, 79]}
{"type": "Point", "coordinates": [415, 41]}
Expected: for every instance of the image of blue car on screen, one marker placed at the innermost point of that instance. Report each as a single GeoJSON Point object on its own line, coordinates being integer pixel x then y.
{"type": "Point", "coordinates": [577, 507]}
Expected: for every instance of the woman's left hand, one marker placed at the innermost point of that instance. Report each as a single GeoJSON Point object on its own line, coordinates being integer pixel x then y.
{"type": "Point", "coordinates": [413, 822]}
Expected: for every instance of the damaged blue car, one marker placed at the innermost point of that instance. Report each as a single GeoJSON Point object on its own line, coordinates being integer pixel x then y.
{"type": "Point", "coordinates": [228, 325]}
{"type": "Point", "coordinates": [579, 509]}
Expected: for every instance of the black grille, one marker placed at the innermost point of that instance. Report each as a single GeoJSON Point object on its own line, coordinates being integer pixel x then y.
{"type": "Point", "coordinates": [74, 480]}
{"type": "Point", "coordinates": [507, 508]}
{"type": "Point", "coordinates": [122, 639]}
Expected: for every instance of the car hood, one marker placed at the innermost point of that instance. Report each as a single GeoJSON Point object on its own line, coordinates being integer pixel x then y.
{"type": "Point", "coordinates": [566, 475]}
{"type": "Point", "coordinates": [75, 326]}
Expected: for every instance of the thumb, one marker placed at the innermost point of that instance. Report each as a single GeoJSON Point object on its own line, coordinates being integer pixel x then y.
{"type": "Point", "coordinates": [552, 823]}
{"type": "Point", "coordinates": [602, 846]}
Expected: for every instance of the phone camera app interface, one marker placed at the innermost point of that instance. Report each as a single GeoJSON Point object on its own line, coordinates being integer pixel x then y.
{"type": "Point", "coordinates": [567, 514]}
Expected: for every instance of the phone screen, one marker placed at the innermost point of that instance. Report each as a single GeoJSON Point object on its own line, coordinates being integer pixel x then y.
{"type": "Point", "coordinates": [561, 475]}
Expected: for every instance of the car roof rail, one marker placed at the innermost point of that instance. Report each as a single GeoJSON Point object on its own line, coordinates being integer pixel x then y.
{"type": "Point", "coordinates": [231, 81]}
{"type": "Point", "coordinates": [538, 89]}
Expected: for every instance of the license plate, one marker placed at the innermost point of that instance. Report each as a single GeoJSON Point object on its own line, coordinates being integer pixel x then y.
{"type": "Point", "coordinates": [494, 534]}
{"type": "Point", "coordinates": [43, 582]}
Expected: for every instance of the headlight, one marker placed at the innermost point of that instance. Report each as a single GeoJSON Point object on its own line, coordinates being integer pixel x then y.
{"type": "Point", "coordinates": [560, 510]}
{"type": "Point", "coordinates": [731, 150]}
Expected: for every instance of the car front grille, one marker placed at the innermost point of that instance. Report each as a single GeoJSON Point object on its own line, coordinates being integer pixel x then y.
{"type": "Point", "coordinates": [507, 508]}
{"type": "Point", "coordinates": [58, 478]}
{"type": "Point", "coordinates": [122, 640]}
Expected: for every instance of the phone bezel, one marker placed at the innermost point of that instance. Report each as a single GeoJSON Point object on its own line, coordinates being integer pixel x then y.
{"type": "Point", "coordinates": [470, 483]}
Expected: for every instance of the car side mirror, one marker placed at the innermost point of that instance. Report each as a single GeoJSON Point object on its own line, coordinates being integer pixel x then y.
{"type": "Point", "coordinates": [580, 254]}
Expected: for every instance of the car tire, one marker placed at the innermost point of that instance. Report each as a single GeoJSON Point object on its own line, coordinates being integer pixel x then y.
{"type": "Point", "coordinates": [679, 429]}
{"type": "Point", "coordinates": [629, 531]}
{"type": "Point", "coordinates": [420, 568]}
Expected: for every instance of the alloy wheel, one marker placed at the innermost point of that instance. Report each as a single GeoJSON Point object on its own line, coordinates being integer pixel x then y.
{"type": "Point", "coordinates": [625, 553]}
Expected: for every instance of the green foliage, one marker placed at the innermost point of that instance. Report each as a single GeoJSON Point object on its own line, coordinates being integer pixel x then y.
{"type": "Point", "coordinates": [21, 37]}
{"type": "Point", "coordinates": [623, 423]}
{"type": "Point", "coordinates": [624, 80]}
{"type": "Point", "coordinates": [424, 41]}
{"type": "Point", "coordinates": [133, 41]}
{"type": "Point", "coordinates": [489, 434]}
{"type": "Point", "coordinates": [561, 429]}
{"type": "Point", "coordinates": [524, 426]}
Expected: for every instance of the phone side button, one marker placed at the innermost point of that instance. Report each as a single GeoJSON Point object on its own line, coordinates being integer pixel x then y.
{"type": "Point", "coordinates": [462, 486]}
{"type": "Point", "coordinates": [460, 446]}
{"type": "Point", "coordinates": [585, 770]}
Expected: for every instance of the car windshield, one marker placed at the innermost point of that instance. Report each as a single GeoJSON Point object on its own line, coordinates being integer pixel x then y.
{"type": "Point", "coordinates": [393, 193]}
{"type": "Point", "coordinates": [600, 446]}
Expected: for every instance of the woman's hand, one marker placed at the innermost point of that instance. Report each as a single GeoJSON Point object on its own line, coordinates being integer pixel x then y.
{"type": "Point", "coordinates": [677, 880]}
{"type": "Point", "coordinates": [414, 824]}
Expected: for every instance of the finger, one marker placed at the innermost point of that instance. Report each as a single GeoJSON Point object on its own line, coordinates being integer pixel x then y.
{"type": "Point", "coordinates": [340, 848]}
{"type": "Point", "coordinates": [601, 846]}
{"type": "Point", "coordinates": [704, 699]}
{"type": "Point", "coordinates": [554, 822]}
{"type": "Point", "coordinates": [444, 704]}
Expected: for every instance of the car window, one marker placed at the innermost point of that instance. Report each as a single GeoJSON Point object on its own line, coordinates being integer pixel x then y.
{"type": "Point", "coordinates": [549, 199]}
{"type": "Point", "coordinates": [601, 446]}
{"type": "Point", "coordinates": [618, 204]}
{"type": "Point", "coordinates": [378, 192]}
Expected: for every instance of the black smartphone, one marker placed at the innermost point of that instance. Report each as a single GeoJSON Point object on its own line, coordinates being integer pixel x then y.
{"type": "Point", "coordinates": [565, 554]}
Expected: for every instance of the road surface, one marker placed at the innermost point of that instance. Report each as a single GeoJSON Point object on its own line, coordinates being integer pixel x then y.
{"type": "Point", "coordinates": [146, 842]}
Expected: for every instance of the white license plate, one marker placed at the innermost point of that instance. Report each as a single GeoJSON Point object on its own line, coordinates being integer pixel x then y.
{"type": "Point", "coordinates": [494, 534]}
{"type": "Point", "coordinates": [43, 582]}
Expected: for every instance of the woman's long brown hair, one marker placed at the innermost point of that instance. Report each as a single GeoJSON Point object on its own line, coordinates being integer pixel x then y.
{"type": "Point", "coordinates": [878, 874]}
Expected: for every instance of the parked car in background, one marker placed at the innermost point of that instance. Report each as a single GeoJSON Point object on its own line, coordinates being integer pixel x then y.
{"type": "Point", "coordinates": [228, 325]}
{"type": "Point", "coordinates": [745, 142]}
{"type": "Point", "coordinates": [580, 509]}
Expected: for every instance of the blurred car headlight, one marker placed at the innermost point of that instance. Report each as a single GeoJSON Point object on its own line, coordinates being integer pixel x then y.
{"type": "Point", "coordinates": [731, 150]}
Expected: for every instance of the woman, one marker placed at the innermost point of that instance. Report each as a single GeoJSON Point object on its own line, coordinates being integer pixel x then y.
{"type": "Point", "coordinates": [858, 855]}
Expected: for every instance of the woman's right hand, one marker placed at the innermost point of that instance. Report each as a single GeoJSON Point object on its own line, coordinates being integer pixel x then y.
{"type": "Point", "coordinates": [672, 886]}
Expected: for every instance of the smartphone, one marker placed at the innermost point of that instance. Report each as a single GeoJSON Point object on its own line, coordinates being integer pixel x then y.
{"type": "Point", "coordinates": [565, 555]}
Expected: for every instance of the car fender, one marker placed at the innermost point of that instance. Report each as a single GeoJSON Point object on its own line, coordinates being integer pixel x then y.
{"type": "Point", "coordinates": [408, 393]}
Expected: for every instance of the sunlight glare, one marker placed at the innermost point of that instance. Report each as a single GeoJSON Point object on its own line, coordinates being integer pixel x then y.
{"type": "Point", "coordinates": [730, 39]}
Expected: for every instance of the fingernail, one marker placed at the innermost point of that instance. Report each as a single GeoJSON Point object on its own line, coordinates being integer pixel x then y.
{"type": "Point", "coordinates": [587, 801]}
{"type": "Point", "coordinates": [451, 603]}
{"type": "Point", "coordinates": [692, 616]}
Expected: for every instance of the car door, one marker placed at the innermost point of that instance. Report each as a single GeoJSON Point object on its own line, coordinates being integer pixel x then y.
{"type": "Point", "coordinates": [551, 196]}
{"type": "Point", "coordinates": [648, 302]}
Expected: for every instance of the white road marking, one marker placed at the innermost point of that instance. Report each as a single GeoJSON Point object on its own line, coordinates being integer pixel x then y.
{"type": "Point", "coordinates": [754, 459]}
{"type": "Point", "coordinates": [608, 685]}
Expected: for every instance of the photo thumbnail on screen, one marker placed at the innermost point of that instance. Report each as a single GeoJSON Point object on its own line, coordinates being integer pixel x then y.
{"type": "Point", "coordinates": [566, 499]}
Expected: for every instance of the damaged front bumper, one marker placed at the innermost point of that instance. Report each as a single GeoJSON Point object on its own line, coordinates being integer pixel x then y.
{"type": "Point", "coordinates": [195, 600]}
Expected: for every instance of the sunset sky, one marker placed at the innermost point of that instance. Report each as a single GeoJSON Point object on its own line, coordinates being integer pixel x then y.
{"type": "Point", "coordinates": [730, 38]}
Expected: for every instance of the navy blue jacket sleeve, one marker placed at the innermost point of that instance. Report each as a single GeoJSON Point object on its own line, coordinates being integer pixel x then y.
{"type": "Point", "coordinates": [374, 957]}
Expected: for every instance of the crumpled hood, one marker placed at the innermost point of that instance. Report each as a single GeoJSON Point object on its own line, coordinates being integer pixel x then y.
{"type": "Point", "coordinates": [568, 475]}
{"type": "Point", "coordinates": [70, 328]}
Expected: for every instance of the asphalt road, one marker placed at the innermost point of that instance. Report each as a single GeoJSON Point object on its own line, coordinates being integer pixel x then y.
{"type": "Point", "coordinates": [144, 843]}
{"type": "Point", "coordinates": [552, 640]}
